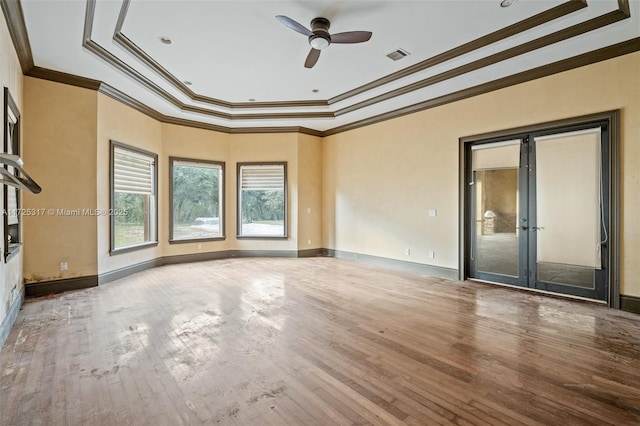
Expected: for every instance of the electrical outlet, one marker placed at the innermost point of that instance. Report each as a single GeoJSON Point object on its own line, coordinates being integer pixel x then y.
{"type": "Point", "coordinates": [407, 252]}
{"type": "Point", "coordinates": [199, 246]}
{"type": "Point", "coordinates": [309, 242]}
{"type": "Point", "coordinates": [308, 209]}
{"type": "Point", "coordinates": [64, 266]}
{"type": "Point", "coordinates": [432, 254]}
{"type": "Point", "coordinates": [433, 213]}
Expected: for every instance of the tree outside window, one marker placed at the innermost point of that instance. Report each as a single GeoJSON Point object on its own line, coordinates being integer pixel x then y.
{"type": "Point", "coordinates": [262, 200]}
{"type": "Point", "coordinates": [197, 190]}
{"type": "Point", "coordinates": [134, 215]}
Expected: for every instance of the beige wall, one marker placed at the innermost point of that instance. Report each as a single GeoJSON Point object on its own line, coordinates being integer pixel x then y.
{"type": "Point", "coordinates": [368, 190]}
{"type": "Point", "coordinates": [380, 180]}
{"type": "Point", "coordinates": [125, 125]}
{"type": "Point", "coordinates": [69, 132]}
{"type": "Point", "coordinates": [59, 148]}
{"type": "Point", "coordinates": [186, 142]}
{"type": "Point", "coordinates": [10, 77]}
{"type": "Point", "coordinates": [265, 147]}
{"type": "Point", "coordinates": [198, 144]}
{"type": "Point", "coordinates": [309, 192]}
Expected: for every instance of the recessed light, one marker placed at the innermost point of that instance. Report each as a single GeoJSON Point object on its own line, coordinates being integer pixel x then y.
{"type": "Point", "coordinates": [507, 3]}
{"type": "Point", "coordinates": [187, 83]}
{"type": "Point", "coordinates": [166, 40]}
{"type": "Point", "coordinates": [315, 90]}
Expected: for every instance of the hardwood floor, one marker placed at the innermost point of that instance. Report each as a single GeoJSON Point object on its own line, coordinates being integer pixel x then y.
{"type": "Point", "coordinates": [316, 342]}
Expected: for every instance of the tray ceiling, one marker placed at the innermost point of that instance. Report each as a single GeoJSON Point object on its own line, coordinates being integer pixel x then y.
{"type": "Point", "coordinates": [246, 70]}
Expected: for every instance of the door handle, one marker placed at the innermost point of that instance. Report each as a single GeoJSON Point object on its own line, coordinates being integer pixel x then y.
{"type": "Point", "coordinates": [537, 228]}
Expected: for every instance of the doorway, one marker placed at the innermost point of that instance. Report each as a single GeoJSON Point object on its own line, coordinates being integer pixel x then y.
{"type": "Point", "coordinates": [538, 209]}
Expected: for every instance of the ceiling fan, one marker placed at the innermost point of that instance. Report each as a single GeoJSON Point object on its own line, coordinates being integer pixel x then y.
{"type": "Point", "coordinates": [319, 37]}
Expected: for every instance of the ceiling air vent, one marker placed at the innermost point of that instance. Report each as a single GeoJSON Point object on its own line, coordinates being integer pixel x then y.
{"type": "Point", "coordinates": [398, 54]}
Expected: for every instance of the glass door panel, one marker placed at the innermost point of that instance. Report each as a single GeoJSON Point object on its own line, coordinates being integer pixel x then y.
{"type": "Point", "coordinates": [497, 236]}
{"type": "Point", "coordinates": [568, 211]}
{"type": "Point", "coordinates": [538, 205]}
{"type": "Point", "coordinates": [559, 273]}
{"type": "Point", "coordinates": [497, 230]}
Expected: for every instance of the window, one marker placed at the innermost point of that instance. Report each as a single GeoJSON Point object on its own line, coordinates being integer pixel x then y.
{"type": "Point", "coordinates": [134, 205]}
{"type": "Point", "coordinates": [11, 194]}
{"type": "Point", "coordinates": [262, 200]}
{"type": "Point", "coordinates": [197, 194]}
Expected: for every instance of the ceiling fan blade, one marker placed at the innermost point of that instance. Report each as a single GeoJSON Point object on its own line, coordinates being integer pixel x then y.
{"type": "Point", "coordinates": [312, 58]}
{"type": "Point", "coordinates": [351, 37]}
{"type": "Point", "coordinates": [295, 26]}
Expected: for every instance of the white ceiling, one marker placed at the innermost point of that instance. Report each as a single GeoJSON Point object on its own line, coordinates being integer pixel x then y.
{"type": "Point", "coordinates": [234, 51]}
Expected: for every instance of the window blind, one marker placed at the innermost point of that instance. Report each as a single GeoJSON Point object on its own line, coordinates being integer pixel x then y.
{"type": "Point", "coordinates": [12, 193]}
{"type": "Point", "coordinates": [568, 186]}
{"type": "Point", "coordinates": [12, 205]}
{"type": "Point", "coordinates": [133, 172]}
{"type": "Point", "coordinates": [498, 155]}
{"type": "Point", "coordinates": [178, 163]}
{"type": "Point", "coordinates": [262, 178]}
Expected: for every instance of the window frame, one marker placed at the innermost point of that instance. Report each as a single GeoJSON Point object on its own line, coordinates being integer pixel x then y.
{"type": "Point", "coordinates": [222, 207]}
{"type": "Point", "coordinates": [239, 201]}
{"type": "Point", "coordinates": [10, 106]}
{"type": "Point", "coordinates": [117, 250]}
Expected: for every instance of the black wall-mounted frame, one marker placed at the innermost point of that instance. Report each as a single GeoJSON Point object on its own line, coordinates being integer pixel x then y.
{"type": "Point", "coordinates": [12, 232]}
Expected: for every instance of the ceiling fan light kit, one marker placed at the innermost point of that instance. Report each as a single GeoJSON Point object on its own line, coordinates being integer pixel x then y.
{"type": "Point", "coordinates": [320, 38]}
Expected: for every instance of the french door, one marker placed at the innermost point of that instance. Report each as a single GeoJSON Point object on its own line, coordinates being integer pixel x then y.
{"type": "Point", "coordinates": [539, 210]}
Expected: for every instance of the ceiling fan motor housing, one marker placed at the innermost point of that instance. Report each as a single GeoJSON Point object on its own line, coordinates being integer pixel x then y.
{"type": "Point", "coordinates": [320, 37]}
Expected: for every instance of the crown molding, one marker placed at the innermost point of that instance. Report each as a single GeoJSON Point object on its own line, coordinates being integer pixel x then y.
{"type": "Point", "coordinates": [127, 44]}
{"type": "Point", "coordinates": [104, 54]}
{"type": "Point", "coordinates": [131, 72]}
{"type": "Point", "coordinates": [125, 99]}
{"type": "Point", "coordinates": [544, 17]}
{"type": "Point", "coordinates": [15, 21]}
{"type": "Point", "coordinates": [63, 77]}
{"type": "Point", "coordinates": [599, 55]}
{"type": "Point", "coordinates": [14, 16]}
{"type": "Point", "coordinates": [610, 52]}
{"type": "Point", "coordinates": [521, 26]}
{"type": "Point", "coordinates": [564, 34]}
{"type": "Point", "coordinates": [501, 34]}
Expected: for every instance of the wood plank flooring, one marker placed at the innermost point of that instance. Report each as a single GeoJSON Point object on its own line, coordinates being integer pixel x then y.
{"type": "Point", "coordinates": [316, 341]}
